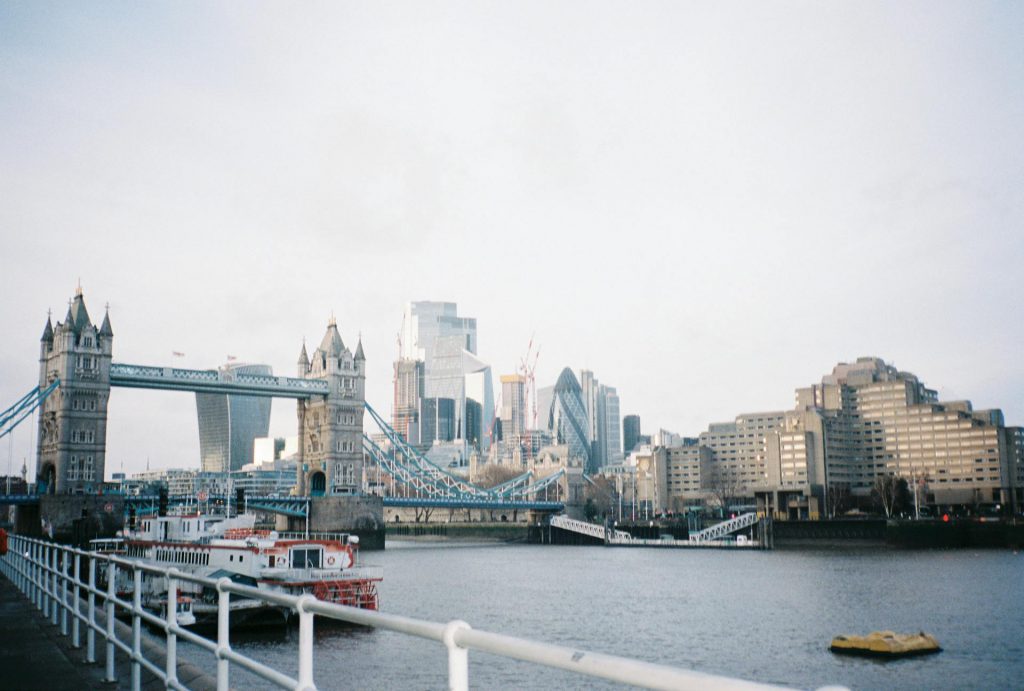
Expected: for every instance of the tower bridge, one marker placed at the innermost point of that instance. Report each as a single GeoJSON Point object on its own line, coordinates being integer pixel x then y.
{"type": "Point", "coordinates": [76, 373]}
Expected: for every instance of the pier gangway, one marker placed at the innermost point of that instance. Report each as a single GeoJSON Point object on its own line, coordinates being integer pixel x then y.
{"type": "Point", "coordinates": [715, 536]}
{"type": "Point", "coordinates": [53, 578]}
{"type": "Point", "coordinates": [589, 529]}
{"type": "Point", "coordinates": [720, 530]}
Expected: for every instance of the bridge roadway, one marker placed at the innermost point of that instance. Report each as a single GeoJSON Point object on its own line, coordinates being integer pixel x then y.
{"type": "Point", "coordinates": [34, 655]}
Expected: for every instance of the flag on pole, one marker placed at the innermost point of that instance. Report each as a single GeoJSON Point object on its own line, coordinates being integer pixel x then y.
{"type": "Point", "coordinates": [175, 353]}
{"type": "Point", "coordinates": [231, 357]}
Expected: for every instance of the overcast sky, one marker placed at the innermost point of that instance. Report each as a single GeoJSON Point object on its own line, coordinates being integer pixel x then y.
{"type": "Point", "coordinates": [709, 204]}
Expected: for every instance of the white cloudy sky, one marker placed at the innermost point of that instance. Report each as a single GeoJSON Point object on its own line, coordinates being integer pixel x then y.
{"type": "Point", "coordinates": [707, 204]}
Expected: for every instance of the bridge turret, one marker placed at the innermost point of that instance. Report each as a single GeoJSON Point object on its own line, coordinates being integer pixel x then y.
{"type": "Point", "coordinates": [73, 420]}
{"type": "Point", "coordinates": [331, 426]}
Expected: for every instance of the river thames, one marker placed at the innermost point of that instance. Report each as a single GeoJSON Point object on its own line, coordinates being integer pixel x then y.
{"type": "Point", "coordinates": [764, 616]}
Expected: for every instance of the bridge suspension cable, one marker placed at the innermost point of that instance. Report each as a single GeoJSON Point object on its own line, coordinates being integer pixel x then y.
{"type": "Point", "coordinates": [25, 406]}
{"type": "Point", "coordinates": [407, 466]}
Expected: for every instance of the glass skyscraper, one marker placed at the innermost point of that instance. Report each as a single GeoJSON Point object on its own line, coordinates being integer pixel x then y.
{"type": "Point", "coordinates": [439, 380]}
{"type": "Point", "coordinates": [566, 417]}
{"type": "Point", "coordinates": [229, 425]}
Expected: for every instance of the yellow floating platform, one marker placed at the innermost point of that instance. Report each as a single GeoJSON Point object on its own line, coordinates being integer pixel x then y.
{"type": "Point", "coordinates": [886, 644]}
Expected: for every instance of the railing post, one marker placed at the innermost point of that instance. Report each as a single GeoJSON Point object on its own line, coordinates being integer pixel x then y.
{"type": "Point", "coordinates": [64, 605]}
{"type": "Point", "coordinates": [172, 622]}
{"type": "Point", "coordinates": [35, 550]}
{"type": "Point", "coordinates": [305, 679]}
{"type": "Point", "coordinates": [111, 575]}
{"type": "Point", "coordinates": [223, 629]}
{"type": "Point", "coordinates": [76, 640]}
{"type": "Point", "coordinates": [16, 542]}
{"type": "Point", "coordinates": [44, 579]}
{"type": "Point", "coordinates": [19, 561]}
{"type": "Point", "coordinates": [458, 657]}
{"type": "Point", "coordinates": [90, 633]}
{"type": "Point", "coordinates": [136, 629]}
{"type": "Point", "coordinates": [54, 584]}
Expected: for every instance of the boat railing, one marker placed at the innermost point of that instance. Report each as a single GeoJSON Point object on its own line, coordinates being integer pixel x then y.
{"type": "Point", "coordinates": [50, 575]}
{"type": "Point", "coordinates": [330, 537]}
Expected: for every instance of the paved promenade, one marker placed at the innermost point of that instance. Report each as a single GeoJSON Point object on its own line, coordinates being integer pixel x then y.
{"type": "Point", "coordinates": [33, 654]}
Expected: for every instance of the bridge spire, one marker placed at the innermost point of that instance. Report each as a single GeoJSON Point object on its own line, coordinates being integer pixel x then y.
{"type": "Point", "coordinates": [47, 330]}
{"type": "Point", "coordinates": [105, 329]}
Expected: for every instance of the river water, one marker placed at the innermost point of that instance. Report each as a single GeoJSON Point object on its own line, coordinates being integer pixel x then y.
{"type": "Point", "coordinates": [765, 616]}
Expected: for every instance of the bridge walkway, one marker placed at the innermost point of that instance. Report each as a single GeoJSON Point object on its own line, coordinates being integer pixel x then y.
{"type": "Point", "coordinates": [33, 654]}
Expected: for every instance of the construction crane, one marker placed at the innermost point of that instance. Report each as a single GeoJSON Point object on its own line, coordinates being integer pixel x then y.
{"type": "Point", "coordinates": [527, 367]}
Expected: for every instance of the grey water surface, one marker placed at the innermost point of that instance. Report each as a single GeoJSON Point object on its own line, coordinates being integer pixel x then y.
{"type": "Point", "coordinates": [764, 616]}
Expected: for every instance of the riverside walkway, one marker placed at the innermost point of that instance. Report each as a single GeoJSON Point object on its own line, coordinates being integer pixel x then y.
{"type": "Point", "coordinates": [34, 655]}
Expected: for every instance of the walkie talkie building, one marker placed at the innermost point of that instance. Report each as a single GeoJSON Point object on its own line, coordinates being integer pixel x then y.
{"type": "Point", "coordinates": [229, 425]}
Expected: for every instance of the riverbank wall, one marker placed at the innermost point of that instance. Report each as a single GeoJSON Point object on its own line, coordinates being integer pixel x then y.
{"type": "Point", "coordinates": [955, 533]}
{"type": "Point", "coordinates": [499, 532]}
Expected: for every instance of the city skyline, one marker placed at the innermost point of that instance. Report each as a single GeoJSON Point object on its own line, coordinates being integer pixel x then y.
{"type": "Point", "coordinates": [705, 216]}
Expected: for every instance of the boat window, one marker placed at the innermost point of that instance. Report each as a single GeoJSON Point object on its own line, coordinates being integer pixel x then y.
{"type": "Point", "coordinates": [306, 558]}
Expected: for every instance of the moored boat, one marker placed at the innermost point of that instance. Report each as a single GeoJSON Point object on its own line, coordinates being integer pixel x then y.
{"type": "Point", "coordinates": [217, 547]}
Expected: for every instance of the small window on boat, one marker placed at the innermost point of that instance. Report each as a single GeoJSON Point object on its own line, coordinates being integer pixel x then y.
{"type": "Point", "coordinates": [231, 557]}
{"type": "Point", "coordinates": [306, 558]}
{"type": "Point", "coordinates": [271, 560]}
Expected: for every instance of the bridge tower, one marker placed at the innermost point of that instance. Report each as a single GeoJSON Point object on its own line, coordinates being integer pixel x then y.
{"type": "Point", "coordinates": [331, 427]}
{"type": "Point", "coordinates": [71, 449]}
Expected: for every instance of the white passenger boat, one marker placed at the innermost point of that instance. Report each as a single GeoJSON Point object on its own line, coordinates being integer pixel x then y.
{"type": "Point", "coordinates": [217, 547]}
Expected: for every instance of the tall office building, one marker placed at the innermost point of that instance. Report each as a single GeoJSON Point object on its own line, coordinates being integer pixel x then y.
{"type": "Point", "coordinates": [602, 405]}
{"type": "Point", "coordinates": [630, 433]}
{"type": "Point", "coordinates": [864, 420]}
{"type": "Point", "coordinates": [566, 417]}
{"type": "Point", "coordinates": [610, 438]}
{"type": "Point", "coordinates": [589, 388]}
{"type": "Point", "coordinates": [440, 380]}
{"type": "Point", "coordinates": [229, 424]}
{"type": "Point", "coordinates": [408, 394]}
{"type": "Point", "coordinates": [513, 404]}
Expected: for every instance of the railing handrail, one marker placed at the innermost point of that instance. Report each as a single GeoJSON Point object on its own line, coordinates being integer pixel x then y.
{"type": "Point", "coordinates": [41, 570]}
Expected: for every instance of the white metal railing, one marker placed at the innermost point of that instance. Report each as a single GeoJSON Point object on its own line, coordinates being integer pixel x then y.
{"type": "Point", "coordinates": [50, 576]}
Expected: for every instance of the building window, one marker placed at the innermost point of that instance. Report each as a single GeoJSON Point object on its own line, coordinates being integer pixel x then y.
{"type": "Point", "coordinates": [73, 468]}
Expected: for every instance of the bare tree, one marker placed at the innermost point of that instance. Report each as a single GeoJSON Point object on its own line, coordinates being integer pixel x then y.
{"type": "Point", "coordinates": [723, 485]}
{"type": "Point", "coordinates": [838, 499]}
{"type": "Point", "coordinates": [601, 492]}
{"type": "Point", "coordinates": [493, 474]}
{"type": "Point", "coordinates": [885, 489]}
